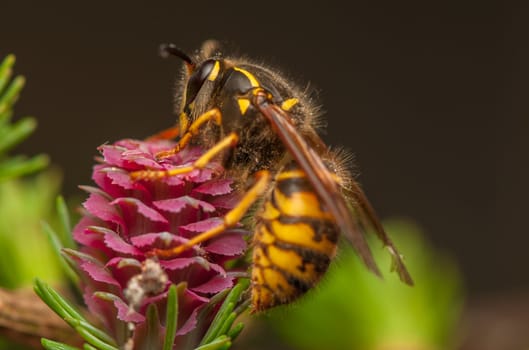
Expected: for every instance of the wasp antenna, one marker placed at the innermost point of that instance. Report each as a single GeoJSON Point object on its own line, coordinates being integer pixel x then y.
{"type": "Point", "coordinates": [167, 50]}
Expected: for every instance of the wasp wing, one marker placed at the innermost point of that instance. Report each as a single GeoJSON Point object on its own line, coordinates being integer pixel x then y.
{"type": "Point", "coordinates": [368, 219]}
{"type": "Point", "coordinates": [318, 175]}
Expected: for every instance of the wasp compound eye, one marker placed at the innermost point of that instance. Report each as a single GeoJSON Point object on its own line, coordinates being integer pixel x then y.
{"type": "Point", "coordinates": [197, 79]}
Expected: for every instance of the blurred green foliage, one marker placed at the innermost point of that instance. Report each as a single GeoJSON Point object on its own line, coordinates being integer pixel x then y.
{"type": "Point", "coordinates": [353, 309]}
{"type": "Point", "coordinates": [26, 252]}
{"type": "Point", "coordinates": [24, 202]}
{"type": "Point", "coordinates": [12, 133]}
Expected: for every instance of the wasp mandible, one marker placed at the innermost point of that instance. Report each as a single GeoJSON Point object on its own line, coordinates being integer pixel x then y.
{"type": "Point", "coordinates": [266, 129]}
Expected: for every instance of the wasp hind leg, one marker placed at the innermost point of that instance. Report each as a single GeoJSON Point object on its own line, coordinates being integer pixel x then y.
{"type": "Point", "coordinates": [230, 219]}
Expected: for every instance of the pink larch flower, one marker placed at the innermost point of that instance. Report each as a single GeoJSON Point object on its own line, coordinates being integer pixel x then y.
{"type": "Point", "coordinates": [124, 220]}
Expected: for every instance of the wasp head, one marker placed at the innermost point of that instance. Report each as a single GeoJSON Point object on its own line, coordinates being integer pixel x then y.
{"type": "Point", "coordinates": [213, 81]}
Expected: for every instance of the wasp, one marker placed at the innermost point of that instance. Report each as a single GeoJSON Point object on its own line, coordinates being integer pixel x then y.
{"type": "Point", "coordinates": [267, 131]}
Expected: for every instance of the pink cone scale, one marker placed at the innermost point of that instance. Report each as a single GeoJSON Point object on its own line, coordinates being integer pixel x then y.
{"type": "Point", "coordinates": [125, 219]}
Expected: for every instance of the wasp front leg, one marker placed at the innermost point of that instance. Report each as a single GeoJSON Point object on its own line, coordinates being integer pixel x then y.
{"type": "Point", "coordinates": [193, 129]}
{"type": "Point", "coordinates": [226, 143]}
{"type": "Point", "coordinates": [230, 219]}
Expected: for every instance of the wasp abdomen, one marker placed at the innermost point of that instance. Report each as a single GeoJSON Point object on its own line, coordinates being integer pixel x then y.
{"type": "Point", "coordinates": [294, 242]}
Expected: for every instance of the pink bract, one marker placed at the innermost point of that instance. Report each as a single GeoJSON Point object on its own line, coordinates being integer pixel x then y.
{"type": "Point", "coordinates": [123, 220]}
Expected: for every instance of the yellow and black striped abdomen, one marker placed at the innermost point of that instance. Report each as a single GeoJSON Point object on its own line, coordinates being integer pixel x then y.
{"type": "Point", "coordinates": [294, 242]}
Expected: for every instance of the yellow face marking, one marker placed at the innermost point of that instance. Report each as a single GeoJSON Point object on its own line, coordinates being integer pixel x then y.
{"type": "Point", "coordinates": [248, 75]}
{"type": "Point", "coordinates": [244, 103]}
{"type": "Point", "coordinates": [288, 104]}
{"type": "Point", "coordinates": [214, 72]}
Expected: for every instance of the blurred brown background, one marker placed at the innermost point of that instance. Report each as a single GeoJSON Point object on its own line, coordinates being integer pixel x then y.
{"type": "Point", "coordinates": [431, 97]}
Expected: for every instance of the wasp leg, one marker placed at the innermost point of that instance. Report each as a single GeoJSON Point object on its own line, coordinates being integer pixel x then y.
{"type": "Point", "coordinates": [229, 220]}
{"type": "Point", "coordinates": [227, 142]}
{"type": "Point", "coordinates": [213, 114]}
{"type": "Point", "coordinates": [166, 134]}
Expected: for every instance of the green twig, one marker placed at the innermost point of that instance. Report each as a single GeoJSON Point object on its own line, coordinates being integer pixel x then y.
{"type": "Point", "coordinates": [65, 221]}
{"type": "Point", "coordinates": [53, 345]}
{"type": "Point", "coordinates": [171, 322]}
{"type": "Point", "coordinates": [220, 343]}
{"type": "Point", "coordinates": [61, 307]}
{"type": "Point", "coordinates": [16, 133]}
{"type": "Point", "coordinates": [17, 166]}
{"type": "Point", "coordinates": [224, 315]}
{"type": "Point", "coordinates": [57, 246]}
